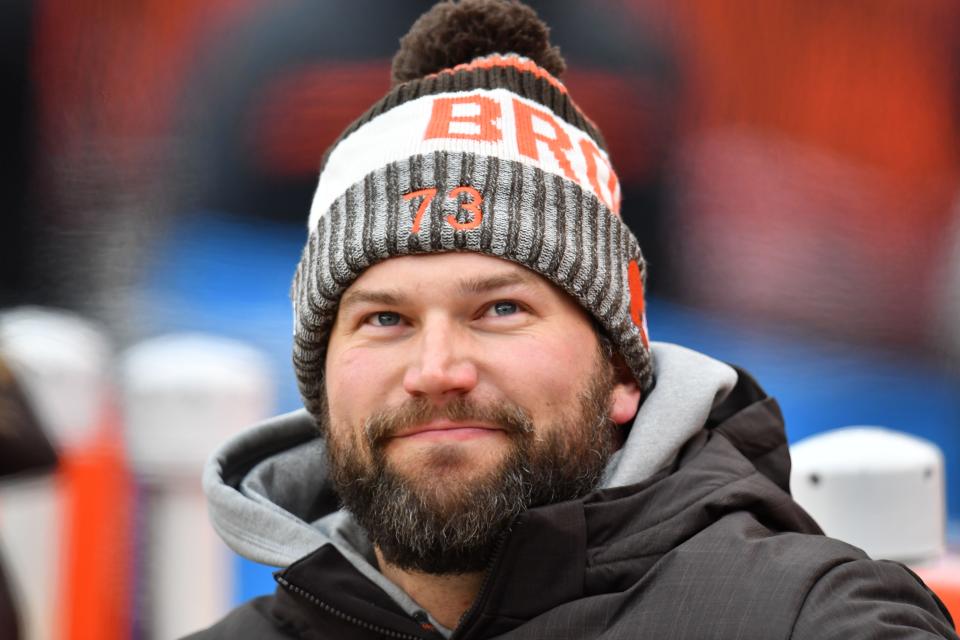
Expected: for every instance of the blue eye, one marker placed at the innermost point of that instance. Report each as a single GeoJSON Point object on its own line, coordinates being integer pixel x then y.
{"type": "Point", "coordinates": [386, 319]}
{"type": "Point", "coordinates": [505, 308]}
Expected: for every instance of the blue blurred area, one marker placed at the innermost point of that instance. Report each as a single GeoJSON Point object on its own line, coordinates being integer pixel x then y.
{"type": "Point", "coordinates": [225, 275]}
{"type": "Point", "coordinates": [222, 275]}
{"type": "Point", "coordinates": [823, 385]}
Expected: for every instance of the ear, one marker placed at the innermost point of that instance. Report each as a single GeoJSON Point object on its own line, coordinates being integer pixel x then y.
{"type": "Point", "coordinates": [625, 398]}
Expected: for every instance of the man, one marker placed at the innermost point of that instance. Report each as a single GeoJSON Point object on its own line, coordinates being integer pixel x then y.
{"type": "Point", "coordinates": [513, 458]}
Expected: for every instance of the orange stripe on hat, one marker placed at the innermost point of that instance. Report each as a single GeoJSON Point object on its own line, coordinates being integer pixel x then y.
{"type": "Point", "coordinates": [497, 60]}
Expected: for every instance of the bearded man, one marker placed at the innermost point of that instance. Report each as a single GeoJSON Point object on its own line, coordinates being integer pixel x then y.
{"type": "Point", "coordinates": [491, 447]}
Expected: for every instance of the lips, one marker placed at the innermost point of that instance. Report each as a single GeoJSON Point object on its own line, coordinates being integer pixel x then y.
{"type": "Point", "coordinates": [419, 420]}
{"type": "Point", "coordinates": [447, 430]}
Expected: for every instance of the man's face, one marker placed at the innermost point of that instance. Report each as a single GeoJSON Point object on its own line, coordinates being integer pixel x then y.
{"type": "Point", "coordinates": [461, 389]}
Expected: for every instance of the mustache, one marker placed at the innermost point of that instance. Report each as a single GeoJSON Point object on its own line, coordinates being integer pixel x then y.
{"type": "Point", "coordinates": [386, 423]}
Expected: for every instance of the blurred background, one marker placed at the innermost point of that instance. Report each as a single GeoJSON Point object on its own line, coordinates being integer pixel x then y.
{"type": "Point", "coordinates": [791, 168]}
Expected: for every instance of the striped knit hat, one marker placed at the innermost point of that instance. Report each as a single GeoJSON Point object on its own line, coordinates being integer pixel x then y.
{"type": "Point", "coordinates": [477, 147]}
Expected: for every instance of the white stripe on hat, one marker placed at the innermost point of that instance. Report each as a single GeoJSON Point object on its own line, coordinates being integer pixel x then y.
{"type": "Point", "coordinates": [494, 122]}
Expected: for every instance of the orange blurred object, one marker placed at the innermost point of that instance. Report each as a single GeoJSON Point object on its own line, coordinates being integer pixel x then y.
{"type": "Point", "coordinates": [943, 578]}
{"type": "Point", "coordinates": [97, 585]}
{"type": "Point", "coordinates": [820, 163]}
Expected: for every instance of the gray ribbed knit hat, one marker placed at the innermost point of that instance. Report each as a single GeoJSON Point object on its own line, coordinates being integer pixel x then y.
{"type": "Point", "coordinates": [477, 147]}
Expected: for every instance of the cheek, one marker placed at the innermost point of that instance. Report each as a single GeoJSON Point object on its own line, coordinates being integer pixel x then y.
{"type": "Point", "coordinates": [343, 372]}
{"type": "Point", "coordinates": [351, 393]}
{"type": "Point", "coordinates": [358, 381]}
{"type": "Point", "coordinates": [348, 369]}
{"type": "Point", "coordinates": [546, 372]}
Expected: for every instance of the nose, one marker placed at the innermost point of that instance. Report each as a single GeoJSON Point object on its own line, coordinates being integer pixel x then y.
{"type": "Point", "coordinates": [441, 367]}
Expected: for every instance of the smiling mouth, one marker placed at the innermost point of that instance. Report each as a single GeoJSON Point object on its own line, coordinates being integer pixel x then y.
{"type": "Point", "coordinates": [447, 432]}
{"type": "Point", "coordinates": [421, 421]}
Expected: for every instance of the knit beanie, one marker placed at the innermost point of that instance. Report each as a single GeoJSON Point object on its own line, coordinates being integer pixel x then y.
{"type": "Point", "coordinates": [477, 147]}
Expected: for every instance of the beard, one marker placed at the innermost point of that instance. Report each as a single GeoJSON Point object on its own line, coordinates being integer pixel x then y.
{"type": "Point", "coordinates": [434, 520]}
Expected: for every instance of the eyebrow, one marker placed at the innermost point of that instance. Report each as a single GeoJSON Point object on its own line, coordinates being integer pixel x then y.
{"type": "Point", "coordinates": [362, 296]}
{"type": "Point", "coordinates": [491, 283]}
{"type": "Point", "coordinates": [468, 286]}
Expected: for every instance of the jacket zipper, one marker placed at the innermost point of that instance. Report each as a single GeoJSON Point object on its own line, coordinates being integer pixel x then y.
{"type": "Point", "coordinates": [467, 619]}
{"type": "Point", "coordinates": [340, 614]}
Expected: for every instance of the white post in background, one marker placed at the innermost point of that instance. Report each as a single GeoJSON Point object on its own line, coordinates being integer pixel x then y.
{"type": "Point", "coordinates": [880, 490]}
{"type": "Point", "coordinates": [183, 396]}
{"type": "Point", "coordinates": [62, 363]}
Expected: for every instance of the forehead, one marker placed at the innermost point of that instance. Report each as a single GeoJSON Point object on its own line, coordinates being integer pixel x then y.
{"type": "Point", "coordinates": [410, 271]}
{"type": "Point", "coordinates": [455, 273]}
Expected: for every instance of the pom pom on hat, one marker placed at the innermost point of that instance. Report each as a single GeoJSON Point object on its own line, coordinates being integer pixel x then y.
{"type": "Point", "coordinates": [454, 33]}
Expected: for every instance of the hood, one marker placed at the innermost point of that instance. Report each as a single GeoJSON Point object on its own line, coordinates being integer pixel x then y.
{"type": "Point", "coordinates": [271, 501]}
